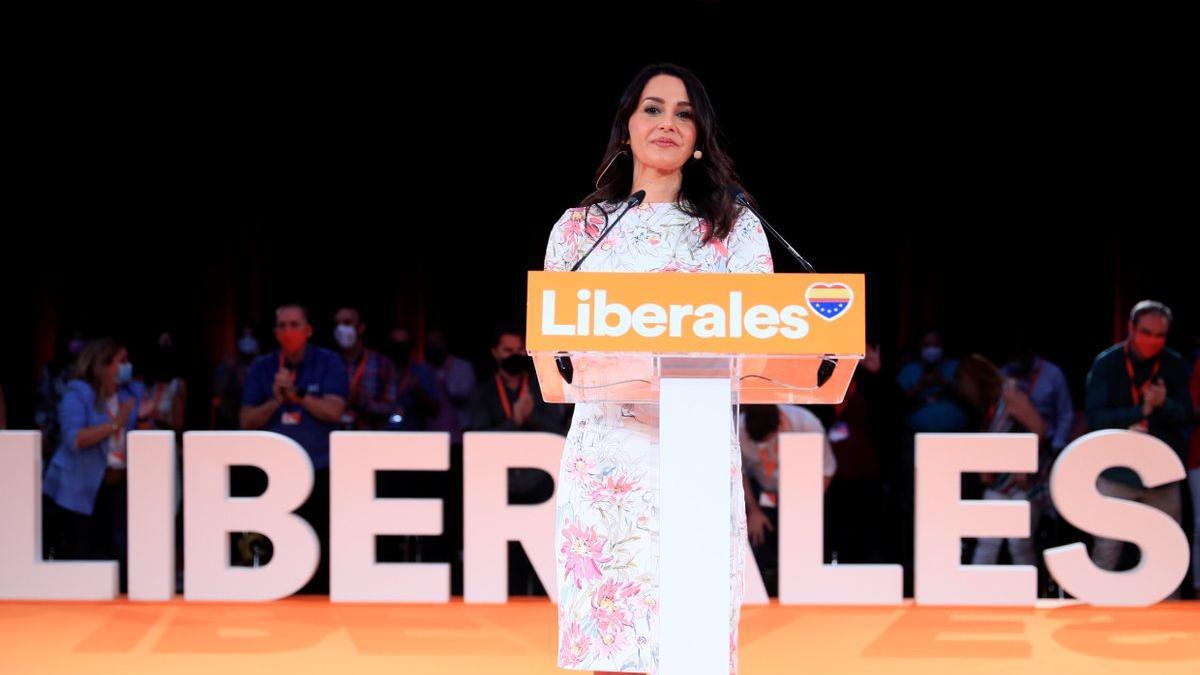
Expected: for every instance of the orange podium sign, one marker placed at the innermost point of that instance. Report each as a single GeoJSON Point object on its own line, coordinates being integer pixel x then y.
{"type": "Point", "coordinates": [782, 338]}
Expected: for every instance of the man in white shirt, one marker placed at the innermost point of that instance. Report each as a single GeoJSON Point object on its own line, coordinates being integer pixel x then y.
{"type": "Point", "coordinates": [759, 427]}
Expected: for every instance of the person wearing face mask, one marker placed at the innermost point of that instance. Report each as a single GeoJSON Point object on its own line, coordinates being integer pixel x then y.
{"type": "Point", "coordinates": [371, 374]}
{"type": "Point", "coordinates": [300, 391]}
{"type": "Point", "coordinates": [1141, 385]}
{"type": "Point", "coordinates": [229, 381]}
{"type": "Point", "coordinates": [415, 386]}
{"type": "Point", "coordinates": [928, 386]}
{"type": "Point", "coordinates": [511, 400]}
{"type": "Point", "coordinates": [85, 479]}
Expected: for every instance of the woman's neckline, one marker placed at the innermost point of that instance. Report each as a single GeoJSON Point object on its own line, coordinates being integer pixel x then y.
{"type": "Point", "coordinates": [676, 204]}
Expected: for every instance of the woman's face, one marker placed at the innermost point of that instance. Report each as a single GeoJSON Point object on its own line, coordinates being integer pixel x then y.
{"type": "Point", "coordinates": [662, 129]}
{"type": "Point", "coordinates": [109, 371]}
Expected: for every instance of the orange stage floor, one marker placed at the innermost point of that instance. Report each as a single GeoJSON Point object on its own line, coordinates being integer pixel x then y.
{"type": "Point", "coordinates": [307, 634]}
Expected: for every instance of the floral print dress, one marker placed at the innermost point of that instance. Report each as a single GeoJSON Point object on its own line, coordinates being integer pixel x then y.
{"type": "Point", "coordinates": [606, 538]}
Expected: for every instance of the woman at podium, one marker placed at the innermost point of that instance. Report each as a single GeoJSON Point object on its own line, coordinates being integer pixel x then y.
{"type": "Point", "coordinates": [664, 141]}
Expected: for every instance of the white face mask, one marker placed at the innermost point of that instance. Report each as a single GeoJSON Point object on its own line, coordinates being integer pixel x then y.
{"type": "Point", "coordinates": [931, 354]}
{"type": "Point", "coordinates": [346, 336]}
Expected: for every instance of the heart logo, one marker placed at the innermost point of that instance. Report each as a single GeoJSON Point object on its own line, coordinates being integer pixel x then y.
{"type": "Point", "coordinates": [829, 301]}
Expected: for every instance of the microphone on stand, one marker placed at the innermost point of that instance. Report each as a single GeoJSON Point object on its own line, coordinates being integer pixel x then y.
{"type": "Point", "coordinates": [740, 197]}
{"type": "Point", "coordinates": [563, 361]}
{"type": "Point", "coordinates": [825, 371]}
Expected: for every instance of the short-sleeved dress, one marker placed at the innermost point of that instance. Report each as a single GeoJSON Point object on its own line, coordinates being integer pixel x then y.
{"type": "Point", "coordinates": [606, 538]}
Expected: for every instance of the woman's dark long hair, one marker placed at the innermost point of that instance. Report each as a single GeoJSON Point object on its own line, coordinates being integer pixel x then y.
{"type": "Point", "coordinates": [704, 192]}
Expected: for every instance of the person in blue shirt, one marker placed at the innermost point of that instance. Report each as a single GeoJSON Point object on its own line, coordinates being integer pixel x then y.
{"type": "Point", "coordinates": [928, 385]}
{"type": "Point", "coordinates": [300, 391]}
{"type": "Point", "coordinates": [415, 386]}
{"type": "Point", "coordinates": [1044, 383]}
{"type": "Point", "coordinates": [85, 479]}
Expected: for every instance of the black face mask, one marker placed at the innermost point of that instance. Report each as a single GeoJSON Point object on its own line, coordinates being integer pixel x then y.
{"type": "Point", "coordinates": [515, 364]}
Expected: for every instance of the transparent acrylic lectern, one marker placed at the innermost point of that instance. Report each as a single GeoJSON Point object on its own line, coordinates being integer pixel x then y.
{"type": "Point", "coordinates": [695, 392]}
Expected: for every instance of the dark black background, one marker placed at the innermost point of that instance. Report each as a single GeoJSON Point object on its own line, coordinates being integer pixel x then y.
{"type": "Point", "coordinates": [988, 173]}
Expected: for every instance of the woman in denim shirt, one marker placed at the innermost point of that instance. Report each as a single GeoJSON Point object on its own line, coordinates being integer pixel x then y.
{"type": "Point", "coordinates": [86, 475]}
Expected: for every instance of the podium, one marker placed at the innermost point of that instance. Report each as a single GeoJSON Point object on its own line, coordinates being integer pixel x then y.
{"type": "Point", "coordinates": [695, 344]}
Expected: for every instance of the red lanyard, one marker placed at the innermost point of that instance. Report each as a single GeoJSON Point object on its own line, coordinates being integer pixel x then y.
{"type": "Point", "coordinates": [357, 379]}
{"type": "Point", "coordinates": [769, 463]}
{"type": "Point", "coordinates": [1133, 388]}
{"type": "Point", "coordinates": [504, 394]}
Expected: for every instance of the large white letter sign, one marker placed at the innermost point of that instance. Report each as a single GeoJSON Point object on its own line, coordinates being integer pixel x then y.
{"type": "Point", "coordinates": [1164, 547]}
{"type": "Point", "coordinates": [803, 578]}
{"type": "Point", "coordinates": [23, 573]}
{"type": "Point", "coordinates": [356, 515]}
{"type": "Point", "coordinates": [943, 518]}
{"type": "Point", "coordinates": [151, 514]}
{"type": "Point", "coordinates": [490, 522]}
{"type": "Point", "coordinates": [210, 514]}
